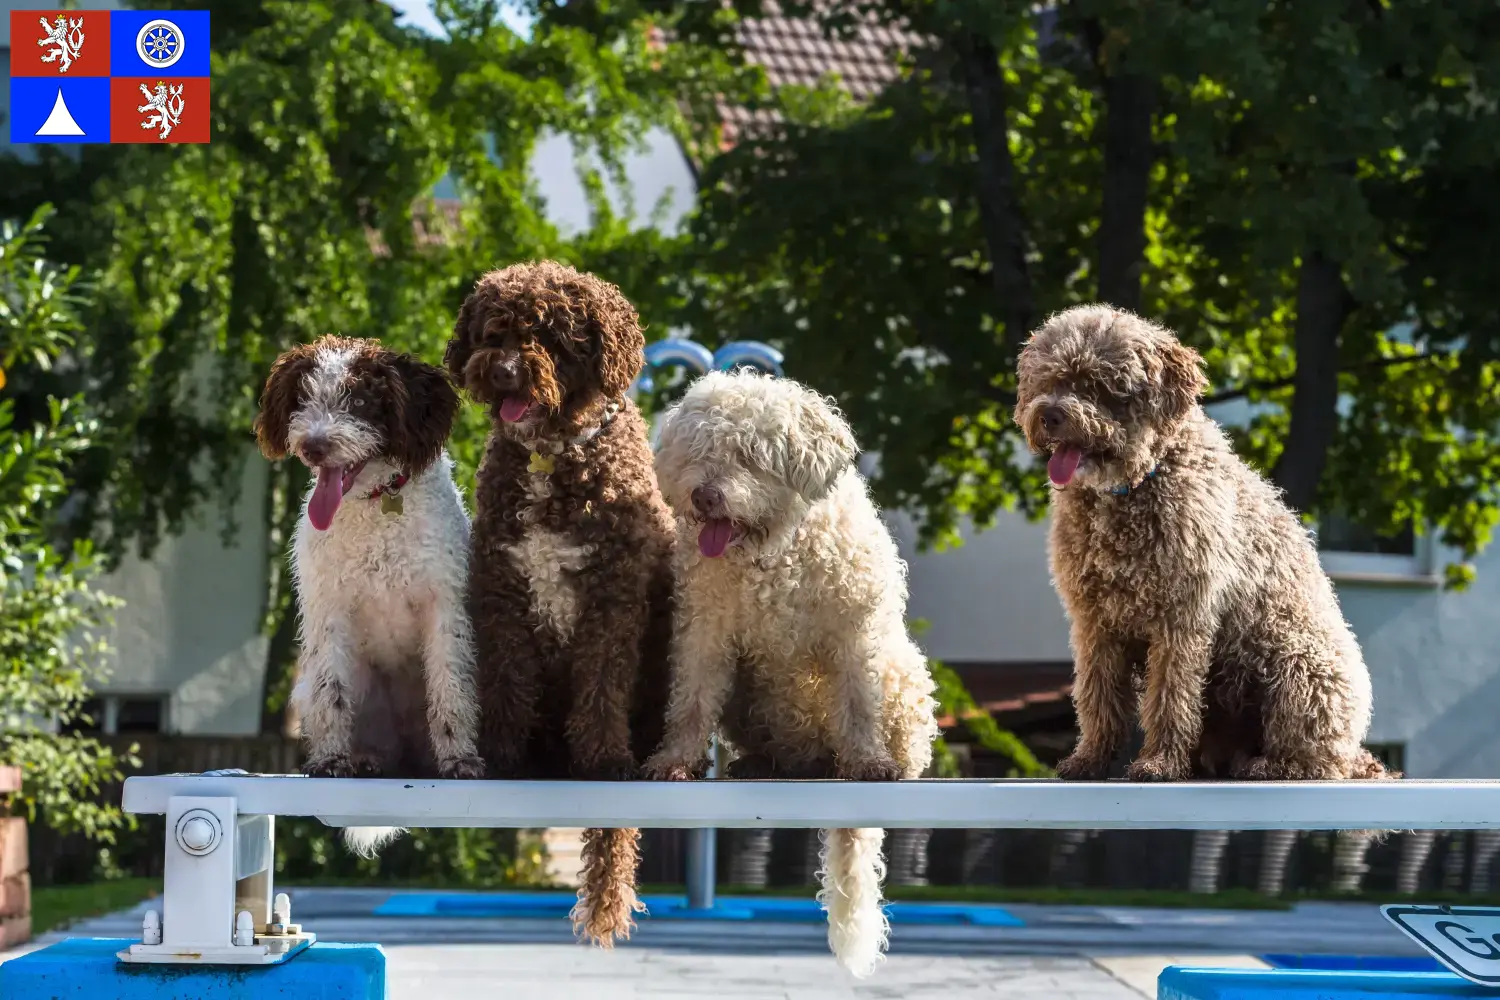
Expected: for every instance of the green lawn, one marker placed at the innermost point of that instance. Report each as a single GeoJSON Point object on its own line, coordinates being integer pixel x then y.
{"type": "Point", "coordinates": [59, 906]}
{"type": "Point", "coordinates": [1231, 899]}
{"type": "Point", "coordinates": [54, 907]}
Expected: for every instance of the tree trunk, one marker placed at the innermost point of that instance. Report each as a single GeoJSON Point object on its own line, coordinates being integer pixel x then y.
{"type": "Point", "coordinates": [999, 207]}
{"type": "Point", "coordinates": [1130, 105]}
{"type": "Point", "coordinates": [1323, 303]}
{"type": "Point", "coordinates": [283, 506]}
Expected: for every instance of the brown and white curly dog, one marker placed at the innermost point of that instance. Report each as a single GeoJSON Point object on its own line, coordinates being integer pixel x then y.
{"type": "Point", "coordinates": [570, 578]}
{"type": "Point", "coordinates": [1182, 567]}
{"type": "Point", "coordinates": [791, 637]}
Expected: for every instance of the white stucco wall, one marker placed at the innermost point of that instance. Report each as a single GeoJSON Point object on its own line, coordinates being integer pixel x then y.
{"type": "Point", "coordinates": [989, 599]}
{"type": "Point", "coordinates": [1434, 657]}
{"type": "Point", "coordinates": [190, 627]}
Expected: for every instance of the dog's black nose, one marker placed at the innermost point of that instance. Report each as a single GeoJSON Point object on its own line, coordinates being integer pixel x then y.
{"type": "Point", "coordinates": [315, 451]}
{"type": "Point", "coordinates": [708, 500]}
{"type": "Point", "coordinates": [1053, 419]}
{"type": "Point", "coordinates": [505, 375]}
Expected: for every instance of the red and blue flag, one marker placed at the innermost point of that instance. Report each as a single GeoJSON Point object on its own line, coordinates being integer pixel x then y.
{"type": "Point", "coordinates": [135, 76]}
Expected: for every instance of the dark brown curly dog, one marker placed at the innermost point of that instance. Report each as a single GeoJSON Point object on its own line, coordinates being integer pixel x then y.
{"type": "Point", "coordinates": [570, 582]}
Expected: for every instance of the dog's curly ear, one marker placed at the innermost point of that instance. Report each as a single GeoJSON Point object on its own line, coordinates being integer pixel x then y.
{"type": "Point", "coordinates": [279, 400]}
{"type": "Point", "coordinates": [622, 346]}
{"type": "Point", "coordinates": [1182, 380]}
{"type": "Point", "coordinates": [820, 445]}
{"type": "Point", "coordinates": [461, 345]}
{"type": "Point", "coordinates": [423, 420]}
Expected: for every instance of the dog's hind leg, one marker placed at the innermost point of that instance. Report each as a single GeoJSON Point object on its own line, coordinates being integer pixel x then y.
{"type": "Point", "coordinates": [1103, 696]}
{"type": "Point", "coordinates": [1308, 730]}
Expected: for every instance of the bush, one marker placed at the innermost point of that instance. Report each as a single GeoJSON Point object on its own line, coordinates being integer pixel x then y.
{"type": "Point", "coordinates": [51, 650]}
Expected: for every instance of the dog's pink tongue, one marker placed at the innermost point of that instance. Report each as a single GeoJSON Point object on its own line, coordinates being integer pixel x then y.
{"type": "Point", "coordinates": [513, 408]}
{"type": "Point", "coordinates": [327, 496]}
{"type": "Point", "coordinates": [1062, 465]}
{"type": "Point", "coordinates": [714, 538]}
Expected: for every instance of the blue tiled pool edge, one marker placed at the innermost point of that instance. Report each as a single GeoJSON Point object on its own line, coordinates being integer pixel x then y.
{"type": "Point", "coordinates": [1356, 963]}
{"type": "Point", "coordinates": [547, 905]}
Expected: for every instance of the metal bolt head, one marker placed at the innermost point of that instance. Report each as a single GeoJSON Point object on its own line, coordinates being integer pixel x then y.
{"type": "Point", "coordinates": [197, 834]}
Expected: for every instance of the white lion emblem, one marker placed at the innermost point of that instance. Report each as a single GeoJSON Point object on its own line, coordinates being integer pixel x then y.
{"type": "Point", "coordinates": [167, 102]}
{"type": "Point", "coordinates": [67, 37]}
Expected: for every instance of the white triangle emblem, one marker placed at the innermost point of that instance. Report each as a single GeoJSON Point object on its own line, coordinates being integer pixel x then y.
{"type": "Point", "coordinates": [60, 121]}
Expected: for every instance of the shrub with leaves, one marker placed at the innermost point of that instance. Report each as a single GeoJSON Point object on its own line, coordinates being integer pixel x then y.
{"type": "Point", "coordinates": [51, 650]}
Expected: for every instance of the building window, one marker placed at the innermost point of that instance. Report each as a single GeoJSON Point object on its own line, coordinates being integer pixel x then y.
{"type": "Point", "coordinates": [1339, 534]}
{"type": "Point", "coordinates": [110, 715]}
{"type": "Point", "coordinates": [1392, 755]}
{"type": "Point", "coordinates": [1352, 553]}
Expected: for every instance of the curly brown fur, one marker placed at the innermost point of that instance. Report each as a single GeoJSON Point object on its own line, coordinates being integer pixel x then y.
{"type": "Point", "coordinates": [570, 579]}
{"type": "Point", "coordinates": [1180, 565]}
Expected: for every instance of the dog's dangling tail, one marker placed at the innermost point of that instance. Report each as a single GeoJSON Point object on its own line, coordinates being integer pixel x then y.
{"type": "Point", "coordinates": [368, 841]}
{"type": "Point", "coordinates": [607, 903]}
{"type": "Point", "coordinates": [851, 870]}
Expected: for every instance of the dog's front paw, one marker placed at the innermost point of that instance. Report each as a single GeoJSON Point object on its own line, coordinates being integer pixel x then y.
{"type": "Point", "coordinates": [1082, 766]}
{"type": "Point", "coordinates": [338, 765]}
{"type": "Point", "coordinates": [881, 768]}
{"type": "Point", "coordinates": [469, 768]}
{"type": "Point", "coordinates": [661, 768]}
{"type": "Point", "coordinates": [1158, 767]}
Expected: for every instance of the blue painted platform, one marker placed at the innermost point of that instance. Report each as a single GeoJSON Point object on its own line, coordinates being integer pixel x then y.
{"type": "Point", "coordinates": [1357, 963]}
{"type": "Point", "coordinates": [1312, 984]}
{"type": "Point", "coordinates": [549, 905]}
{"type": "Point", "coordinates": [88, 969]}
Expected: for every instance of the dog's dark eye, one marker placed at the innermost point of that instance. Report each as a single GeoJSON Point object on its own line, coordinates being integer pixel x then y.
{"type": "Point", "coordinates": [358, 402]}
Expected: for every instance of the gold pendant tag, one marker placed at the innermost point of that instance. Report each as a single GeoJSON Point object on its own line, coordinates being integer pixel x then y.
{"type": "Point", "coordinates": [390, 503]}
{"type": "Point", "coordinates": [541, 463]}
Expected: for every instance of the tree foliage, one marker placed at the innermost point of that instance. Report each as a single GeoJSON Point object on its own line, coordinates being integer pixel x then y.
{"type": "Point", "coordinates": [51, 652]}
{"type": "Point", "coordinates": [1302, 190]}
{"type": "Point", "coordinates": [312, 211]}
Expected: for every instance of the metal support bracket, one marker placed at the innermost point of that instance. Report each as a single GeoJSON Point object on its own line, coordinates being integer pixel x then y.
{"type": "Point", "coordinates": [218, 906]}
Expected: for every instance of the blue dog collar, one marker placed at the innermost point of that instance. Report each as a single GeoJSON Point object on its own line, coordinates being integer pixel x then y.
{"type": "Point", "coordinates": [1122, 491]}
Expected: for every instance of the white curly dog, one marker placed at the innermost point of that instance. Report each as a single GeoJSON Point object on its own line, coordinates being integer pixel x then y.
{"type": "Point", "coordinates": [790, 637]}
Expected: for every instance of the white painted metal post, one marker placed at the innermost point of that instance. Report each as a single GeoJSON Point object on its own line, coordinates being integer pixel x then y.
{"type": "Point", "coordinates": [217, 890]}
{"type": "Point", "coordinates": [701, 854]}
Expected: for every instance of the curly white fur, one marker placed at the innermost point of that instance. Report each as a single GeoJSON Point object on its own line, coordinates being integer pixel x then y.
{"type": "Point", "coordinates": [810, 595]}
{"type": "Point", "coordinates": [384, 632]}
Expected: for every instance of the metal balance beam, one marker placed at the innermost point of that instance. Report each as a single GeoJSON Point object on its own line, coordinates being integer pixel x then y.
{"type": "Point", "coordinates": [218, 904]}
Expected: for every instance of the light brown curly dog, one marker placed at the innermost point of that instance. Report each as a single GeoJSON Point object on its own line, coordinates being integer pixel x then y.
{"type": "Point", "coordinates": [1179, 565]}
